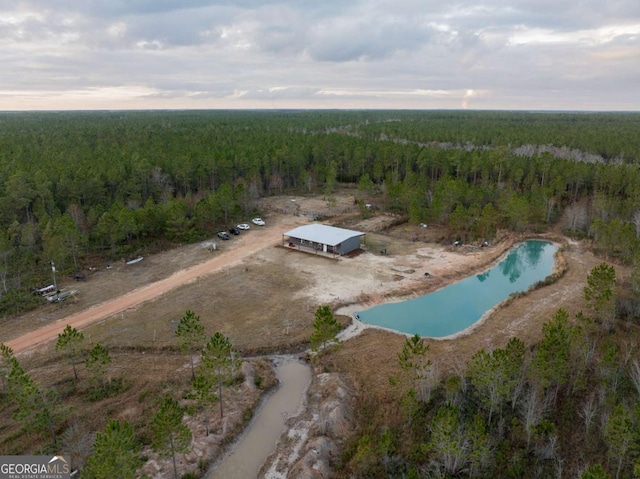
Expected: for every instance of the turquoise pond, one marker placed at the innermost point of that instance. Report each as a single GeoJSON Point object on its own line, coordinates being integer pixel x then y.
{"type": "Point", "coordinates": [458, 306]}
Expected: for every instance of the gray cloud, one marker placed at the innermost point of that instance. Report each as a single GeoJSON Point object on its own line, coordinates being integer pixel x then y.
{"type": "Point", "coordinates": [374, 53]}
{"type": "Point", "coordinates": [366, 40]}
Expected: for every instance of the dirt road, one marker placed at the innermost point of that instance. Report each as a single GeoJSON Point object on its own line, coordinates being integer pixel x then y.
{"type": "Point", "coordinates": [248, 245]}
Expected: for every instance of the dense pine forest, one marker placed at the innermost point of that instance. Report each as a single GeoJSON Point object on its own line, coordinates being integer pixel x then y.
{"type": "Point", "coordinates": [79, 186]}
{"type": "Point", "coordinates": [73, 185]}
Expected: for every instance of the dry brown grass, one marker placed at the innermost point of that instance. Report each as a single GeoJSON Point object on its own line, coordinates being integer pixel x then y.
{"type": "Point", "coordinates": [107, 283]}
{"type": "Point", "coordinates": [147, 376]}
{"type": "Point", "coordinates": [152, 373]}
{"type": "Point", "coordinates": [248, 304]}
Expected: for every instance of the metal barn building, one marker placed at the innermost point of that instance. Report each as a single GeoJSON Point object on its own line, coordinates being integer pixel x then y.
{"type": "Point", "coordinates": [323, 238]}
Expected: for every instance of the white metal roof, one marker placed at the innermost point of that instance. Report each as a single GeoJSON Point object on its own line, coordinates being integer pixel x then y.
{"type": "Point", "coordinates": [323, 234]}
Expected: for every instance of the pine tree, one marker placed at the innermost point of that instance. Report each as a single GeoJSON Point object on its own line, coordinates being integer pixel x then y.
{"type": "Point", "coordinates": [190, 333]}
{"type": "Point", "coordinates": [497, 375]}
{"type": "Point", "coordinates": [37, 409]}
{"type": "Point", "coordinates": [115, 453]}
{"type": "Point", "coordinates": [599, 292]}
{"type": "Point", "coordinates": [479, 446]}
{"type": "Point", "coordinates": [203, 387]}
{"type": "Point", "coordinates": [325, 329]}
{"type": "Point", "coordinates": [6, 354]}
{"type": "Point", "coordinates": [621, 437]}
{"type": "Point", "coordinates": [170, 434]}
{"type": "Point", "coordinates": [68, 341]}
{"type": "Point", "coordinates": [448, 441]}
{"type": "Point", "coordinates": [219, 362]}
{"type": "Point", "coordinates": [551, 361]}
{"type": "Point", "coordinates": [98, 364]}
{"type": "Point", "coordinates": [413, 360]}
{"type": "Point", "coordinates": [595, 472]}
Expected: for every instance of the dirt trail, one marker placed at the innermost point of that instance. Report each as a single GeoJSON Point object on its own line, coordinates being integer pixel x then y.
{"type": "Point", "coordinates": [257, 242]}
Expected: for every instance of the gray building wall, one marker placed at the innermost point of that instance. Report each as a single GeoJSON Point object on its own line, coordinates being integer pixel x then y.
{"type": "Point", "coordinates": [343, 248]}
{"type": "Point", "coordinates": [348, 245]}
{"type": "Point", "coordinates": [305, 244]}
{"type": "Point", "coordinates": [340, 249]}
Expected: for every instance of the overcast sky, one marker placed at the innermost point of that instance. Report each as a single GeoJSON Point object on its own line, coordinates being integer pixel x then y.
{"type": "Point", "coordinates": [419, 54]}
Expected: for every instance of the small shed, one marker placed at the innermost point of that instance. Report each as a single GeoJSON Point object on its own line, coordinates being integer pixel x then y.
{"type": "Point", "coordinates": [323, 238]}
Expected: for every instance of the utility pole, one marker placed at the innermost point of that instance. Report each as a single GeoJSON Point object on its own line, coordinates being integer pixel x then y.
{"type": "Point", "coordinates": [55, 285]}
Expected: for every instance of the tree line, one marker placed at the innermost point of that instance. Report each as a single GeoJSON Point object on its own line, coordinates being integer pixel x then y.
{"type": "Point", "coordinates": [75, 186]}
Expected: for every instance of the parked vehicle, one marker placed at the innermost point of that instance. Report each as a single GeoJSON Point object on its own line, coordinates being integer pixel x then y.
{"type": "Point", "coordinates": [243, 226]}
{"type": "Point", "coordinates": [45, 290]}
{"type": "Point", "coordinates": [61, 296]}
{"type": "Point", "coordinates": [135, 260]}
{"type": "Point", "coordinates": [258, 221]}
{"type": "Point", "coordinates": [224, 235]}
{"type": "Point", "coordinates": [234, 231]}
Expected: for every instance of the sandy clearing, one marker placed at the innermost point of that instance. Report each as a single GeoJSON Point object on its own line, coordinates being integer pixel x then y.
{"type": "Point", "coordinates": [382, 279]}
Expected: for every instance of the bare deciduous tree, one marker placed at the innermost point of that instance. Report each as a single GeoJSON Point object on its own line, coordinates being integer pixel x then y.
{"type": "Point", "coordinates": [629, 349]}
{"type": "Point", "coordinates": [547, 450]}
{"type": "Point", "coordinates": [576, 217]}
{"type": "Point", "coordinates": [588, 411]}
{"type": "Point", "coordinates": [449, 442]}
{"type": "Point", "coordinates": [636, 222]}
{"type": "Point", "coordinates": [634, 374]}
{"type": "Point", "coordinates": [4, 268]}
{"type": "Point", "coordinates": [532, 410]}
{"type": "Point", "coordinates": [426, 383]}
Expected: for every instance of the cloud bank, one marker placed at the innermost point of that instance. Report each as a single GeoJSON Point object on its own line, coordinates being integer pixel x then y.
{"type": "Point", "coordinates": [146, 54]}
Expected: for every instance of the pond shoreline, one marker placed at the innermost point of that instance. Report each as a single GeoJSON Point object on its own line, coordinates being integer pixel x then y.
{"type": "Point", "coordinates": [357, 325]}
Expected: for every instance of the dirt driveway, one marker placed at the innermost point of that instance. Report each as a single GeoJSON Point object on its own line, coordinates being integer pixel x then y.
{"type": "Point", "coordinates": [240, 248]}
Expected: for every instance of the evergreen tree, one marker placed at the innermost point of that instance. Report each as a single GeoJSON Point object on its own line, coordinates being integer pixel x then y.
{"type": "Point", "coordinates": [460, 223]}
{"type": "Point", "coordinates": [413, 361]}
{"type": "Point", "coordinates": [595, 472]}
{"type": "Point", "coordinates": [219, 362]}
{"type": "Point", "coordinates": [62, 241]}
{"type": "Point", "coordinates": [6, 355]}
{"type": "Point", "coordinates": [204, 395]}
{"type": "Point", "coordinates": [68, 341]}
{"type": "Point", "coordinates": [366, 187]}
{"type": "Point", "coordinates": [325, 329]}
{"type": "Point", "coordinates": [190, 333]}
{"type": "Point", "coordinates": [37, 409]}
{"type": "Point", "coordinates": [497, 375]}
{"type": "Point", "coordinates": [551, 361]}
{"type": "Point", "coordinates": [599, 291]}
{"type": "Point", "coordinates": [226, 201]}
{"type": "Point", "coordinates": [479, 444]}
{"type": "Point", "coordinates": [170, 434]}
{"type": "Point", "coordinates": [98, 364]}
{"type": "Point", "coordinates": [115, 453]}
{"type": "Point", "coordinates": [448, 441]}
{"type": "Point", "coordinates": [622, 438]}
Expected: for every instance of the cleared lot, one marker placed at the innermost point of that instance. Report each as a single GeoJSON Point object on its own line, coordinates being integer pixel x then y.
{"type": "Point", "coordinates": [263, 296]}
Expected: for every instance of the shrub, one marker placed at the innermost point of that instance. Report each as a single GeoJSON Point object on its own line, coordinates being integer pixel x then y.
{"type": "Point", "coordinates": [18, 301]}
